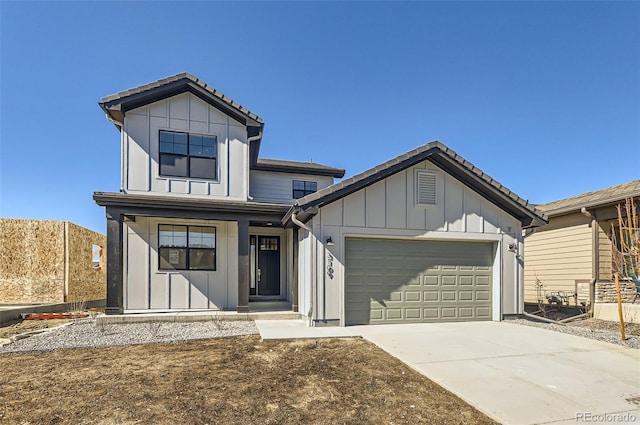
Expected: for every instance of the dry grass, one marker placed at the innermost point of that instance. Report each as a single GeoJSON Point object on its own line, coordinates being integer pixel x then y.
{"type": "Point", "coordinates": [224, 381]}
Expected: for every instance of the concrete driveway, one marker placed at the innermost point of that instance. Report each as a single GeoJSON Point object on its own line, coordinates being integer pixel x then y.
{"type": "Point", "coordinates": [515, 374]}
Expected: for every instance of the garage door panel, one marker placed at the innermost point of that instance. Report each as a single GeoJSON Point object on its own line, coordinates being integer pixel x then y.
{"type": "Point", "coordinates": [384, 280]}
{"type": "Point", "coordinates": [413, 296]}
{"type": "Point", "coordinates": [484, 312]}
{"type": "Point", "coordinates": [483, 280]}
{"type": "Point", "coordinates": [448, 280]}
{"type": "Point", "coordinates": [431, 280]}
{"type": "Point", "coordinates": [467, 280]}
{"type": "Point", "coordinates": [483, 295]}
{"type": "Point", "coordinates": [448, 312]}
{"type": "Point", "coordinates": [431, 296]}
{"type": "Point", "coordinates": [466, 295]}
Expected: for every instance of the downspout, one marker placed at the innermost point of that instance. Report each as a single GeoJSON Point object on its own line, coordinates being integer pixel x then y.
{"type": "Point", "coordinates": [229, 159]}
{"type": "Point", "coordinates": [249, 140]}
{"type": "Point", "coordinates": [525, 235]}
{"type": "Point", "coordinates": [122, 167]}
{"type": "Point", "coordinates": [595, 258]}
{"type": "Point", "coordinates": [300, 224]}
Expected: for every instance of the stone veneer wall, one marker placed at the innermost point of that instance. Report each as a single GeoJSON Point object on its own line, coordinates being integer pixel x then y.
{"type": "Point", "coordinates": [606, 292]}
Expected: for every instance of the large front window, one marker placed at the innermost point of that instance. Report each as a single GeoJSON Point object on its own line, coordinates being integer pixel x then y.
{"type": "Point", "coordinates": [187, 155]}
{"type": "Point", "coordinates": [186, 247]}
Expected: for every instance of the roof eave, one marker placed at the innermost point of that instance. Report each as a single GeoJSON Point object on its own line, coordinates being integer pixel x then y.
{"type": "Point", "coordinates": [593, 205]}
{"type": "Point", "coordinates": [117, 105]}
{"type": "Point", "coordinates": [114, 199]}
{"type": "Point", "coordinates": [328, 172]}
{"type": "Point", "coordinates": [449, 161]}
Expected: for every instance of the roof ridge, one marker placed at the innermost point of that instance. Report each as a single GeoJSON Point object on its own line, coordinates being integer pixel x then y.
{"type": "Point", "coordinates": [592, 192]}
{"type": "Point", "coordinates": [407, 160]}
{"type": "Point", "coordinates": [173, 79]}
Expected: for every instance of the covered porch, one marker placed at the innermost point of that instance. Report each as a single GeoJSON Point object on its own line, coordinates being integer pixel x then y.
{"type": "Point", "coordinates": [241, 228]}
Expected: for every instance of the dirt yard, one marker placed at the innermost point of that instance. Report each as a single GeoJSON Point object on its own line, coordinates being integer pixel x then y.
{"type": "Point", "coordinates": [237, 380]}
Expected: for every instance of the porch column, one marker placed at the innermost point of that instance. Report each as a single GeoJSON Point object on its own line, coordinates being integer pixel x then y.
{"type": "Point", "coordinates": [115, 288]}
{"type": "Point", "coordinates": [244, 274]}
{"type": "Point", "coordinates": [294, 289]}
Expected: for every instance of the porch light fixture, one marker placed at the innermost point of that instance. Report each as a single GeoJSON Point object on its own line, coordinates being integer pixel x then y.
{"type": "Point", "coordinates": [330, 241]}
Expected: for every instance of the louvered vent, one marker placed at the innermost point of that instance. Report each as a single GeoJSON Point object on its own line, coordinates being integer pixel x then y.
{"type": "Point", "coordinates": [426, 188]}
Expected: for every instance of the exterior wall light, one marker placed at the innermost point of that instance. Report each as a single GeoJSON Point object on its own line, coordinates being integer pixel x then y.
{"type": "Point", "coordinates": [330, 241]}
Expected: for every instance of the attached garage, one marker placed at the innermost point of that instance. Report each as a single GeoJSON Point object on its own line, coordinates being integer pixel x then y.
{"type": "Point", "coordinates": [411, 281]}
{"type": "Point", "coordinates": [424, 237]}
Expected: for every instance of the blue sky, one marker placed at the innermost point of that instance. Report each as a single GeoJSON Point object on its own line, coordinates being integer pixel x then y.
{"type": "Point", "coordinates": [543, 96]}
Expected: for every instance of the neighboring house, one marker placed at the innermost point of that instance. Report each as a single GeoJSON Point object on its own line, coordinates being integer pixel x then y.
{"type": "Point", "coordinates": [46, 261]}
{"type": "Point", "coordinates": [203, 223]}
{"type": "Point", "coordinates": [576, 248]}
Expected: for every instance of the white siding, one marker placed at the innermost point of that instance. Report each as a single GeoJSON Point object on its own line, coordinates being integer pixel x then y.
{"type": "Point", "coordinates": [147, 287]}
{"type": "Point", "coordinates": [389, 209]}
{"type": "Point", "coordinates": [187, 113]}
{"type": "Point", "coordinates": [268, 186]}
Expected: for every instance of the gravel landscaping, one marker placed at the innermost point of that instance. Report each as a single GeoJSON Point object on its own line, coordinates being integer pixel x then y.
{"type": "Point", "coordinates": [592, 329]}
{"type": "Point", "coordinates": [85, 333]}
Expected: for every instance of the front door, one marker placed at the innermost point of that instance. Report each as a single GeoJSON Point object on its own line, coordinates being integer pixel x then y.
{"type": "Point", "coordinates": [267, 273]}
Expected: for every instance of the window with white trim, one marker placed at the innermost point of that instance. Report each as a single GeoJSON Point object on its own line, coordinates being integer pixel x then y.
{"type": "Point", "coordinates": [188, 155]}
{"type": "Point", "coordinates": [426, 188]}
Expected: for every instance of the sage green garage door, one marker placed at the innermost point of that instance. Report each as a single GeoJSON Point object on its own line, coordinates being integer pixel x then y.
{"type": "Point", "coordinates": [403, 281]}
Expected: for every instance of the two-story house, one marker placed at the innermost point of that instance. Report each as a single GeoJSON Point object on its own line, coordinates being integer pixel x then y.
{"type": "Point", "coordinates": [202, 222]}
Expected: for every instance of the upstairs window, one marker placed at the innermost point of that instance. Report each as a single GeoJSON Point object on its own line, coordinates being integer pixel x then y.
{"type": "Point", "coordinates": [303, 188]}
{"type": "Point", "coordinates": [188, 155]}
{"type": "Point", "coordinates": [426, 188]}
{"type": "Point", "coordinates": [187, 247]}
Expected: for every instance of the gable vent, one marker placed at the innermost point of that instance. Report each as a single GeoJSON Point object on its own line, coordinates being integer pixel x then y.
{"type": "Point", "coordinates": [426, 188]}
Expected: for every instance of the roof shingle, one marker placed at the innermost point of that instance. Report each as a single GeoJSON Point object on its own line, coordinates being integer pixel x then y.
{"type": "Point", "coordinates": [610, 195]}
{"type": "Point", "coordinates": [445, 158]}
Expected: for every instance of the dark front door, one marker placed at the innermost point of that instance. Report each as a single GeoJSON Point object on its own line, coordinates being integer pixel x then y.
{"type": "Point", "coordinates": [268, 272]}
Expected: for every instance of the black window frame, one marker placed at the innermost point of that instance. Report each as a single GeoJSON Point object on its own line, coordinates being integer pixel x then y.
{"type": "Point", "coordinates": [188, 249]}
{"type": "Point", "coordinates": [299, 193]}
{"type": "Point", "coordinates": [190, 156]}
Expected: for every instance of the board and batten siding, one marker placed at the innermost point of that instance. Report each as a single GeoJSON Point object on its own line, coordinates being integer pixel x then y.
{"type": "Point", "coordinates": [146, 287]}
{"type": "Point", "coordinates": [185, 113]}
{"type": "Point", "coordinates": [388, 208]}
{"type": "Point", "coordinates": [277, 188]}
{"type": "Point", "coordinates": [558, 254]}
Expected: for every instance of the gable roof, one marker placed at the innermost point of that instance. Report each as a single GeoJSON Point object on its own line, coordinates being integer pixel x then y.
{"type": "Point", "coordinates": [443, 157]}
{"type": "Point", "coordinates": [599, 198]}
{"type": "Point", "coordinates": [278, 165]}
{"type": "Point", "coordinates": [116, 105]}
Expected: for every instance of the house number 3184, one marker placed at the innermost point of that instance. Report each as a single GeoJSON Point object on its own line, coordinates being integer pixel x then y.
{"type": "Point", "coordinates": [330, 265]}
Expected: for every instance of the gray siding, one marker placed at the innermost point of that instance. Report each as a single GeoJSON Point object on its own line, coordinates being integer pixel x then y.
{"type": "Point", "coordinates": [389, 209]}
{"type": "Point", "coordinates": [147, 287]}
{"type": "Point", "coordinates": [267, 186]}
{"type": "Point", "coordinates": [187, 113]}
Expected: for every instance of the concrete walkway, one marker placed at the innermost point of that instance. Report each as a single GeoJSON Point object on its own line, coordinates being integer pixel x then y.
{"type": "Point", "coordinates": [515, 374]}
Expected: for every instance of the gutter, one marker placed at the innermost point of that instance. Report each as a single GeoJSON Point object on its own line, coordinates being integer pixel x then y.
{"type": "Point", "coordinates": [595, 257]}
